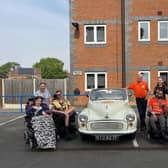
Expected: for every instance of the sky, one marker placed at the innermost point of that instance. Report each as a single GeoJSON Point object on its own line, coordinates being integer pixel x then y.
{"type": "Point", "coordinates": [34, 29]}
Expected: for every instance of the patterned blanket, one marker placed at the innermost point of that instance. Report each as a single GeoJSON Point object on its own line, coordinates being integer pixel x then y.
{"type": "Point", "coordinates": [44, 131]}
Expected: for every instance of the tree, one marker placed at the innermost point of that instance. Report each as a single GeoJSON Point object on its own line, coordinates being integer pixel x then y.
{"type": "Point", "coordinates": [51, 68]}
{"type": "Point", "coordinates": [6, 68]}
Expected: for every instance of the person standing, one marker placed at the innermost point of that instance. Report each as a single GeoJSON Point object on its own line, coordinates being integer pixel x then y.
{"type": "Point", "coordinates": [161, 86]}
{"type": "Point", "coordinates": [140, 88]}
{"type": "Point", "coordinates": [43, 92]}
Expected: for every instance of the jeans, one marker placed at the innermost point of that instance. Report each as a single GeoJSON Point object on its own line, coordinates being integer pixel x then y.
{"type": "Point", "coordinates": [160, 121]}
{"type": "Point", "coordinates": [141, 106]}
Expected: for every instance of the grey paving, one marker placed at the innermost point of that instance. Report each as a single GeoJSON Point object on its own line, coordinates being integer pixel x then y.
{"type": "Point", "coordinates": [76, 153]}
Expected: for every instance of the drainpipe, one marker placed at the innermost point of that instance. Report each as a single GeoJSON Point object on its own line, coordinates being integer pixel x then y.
{"type": "Point", "coordinates": [123, 42]}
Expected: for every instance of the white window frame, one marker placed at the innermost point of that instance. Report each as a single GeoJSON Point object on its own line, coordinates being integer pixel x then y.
{"type": "Point", "coordinates": [96, 78]}
{"type": "Point", "coordinates": [162, 39]}
{"type": "Point", "coordinates": [139, 31]}
{"type": "Point", "coordinates": [161, 72]}
{"type": "Point", "coordinates": [149, 81]}
{"type": "Point", "coordinates": [95, 34]}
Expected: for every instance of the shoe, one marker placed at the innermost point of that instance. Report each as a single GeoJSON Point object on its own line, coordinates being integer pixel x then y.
{"type": "Point", "coordinates": [67, 134]}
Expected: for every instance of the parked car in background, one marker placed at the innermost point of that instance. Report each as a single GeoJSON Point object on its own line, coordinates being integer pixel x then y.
{"type": "Point", "coordinates": [108, 115]}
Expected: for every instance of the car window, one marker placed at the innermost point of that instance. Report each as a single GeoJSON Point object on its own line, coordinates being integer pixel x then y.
{"type": "Point", "coordinates": [116, 94]}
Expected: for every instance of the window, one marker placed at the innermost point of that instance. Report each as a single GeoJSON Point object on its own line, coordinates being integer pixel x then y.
{"type": "Point", "coordinates": [164, 75]}
{"type": "Point", "coordinates": [95, 34]}
{"type": "Point", "coordinates": [163, 30]}
{"type": "Point", "coordinates": [146, 76]}
{"type": "Point", "coordinates": [144, 31]}
{"type": "Point", "coordinates": [94, 80]}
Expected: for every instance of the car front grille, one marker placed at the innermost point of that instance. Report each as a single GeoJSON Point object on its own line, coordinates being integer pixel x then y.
{"type": "Point", "coordinates": [106, 126]}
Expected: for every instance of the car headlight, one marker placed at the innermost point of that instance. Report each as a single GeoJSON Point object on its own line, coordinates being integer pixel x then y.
{"type": "Point", "coordinates": [130, 117]}
{"type": "Point", "coordinates": [83, 118]}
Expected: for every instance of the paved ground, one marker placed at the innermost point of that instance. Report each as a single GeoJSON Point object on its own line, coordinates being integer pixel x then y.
{"type": "Point", "coordinates": [124, 153]}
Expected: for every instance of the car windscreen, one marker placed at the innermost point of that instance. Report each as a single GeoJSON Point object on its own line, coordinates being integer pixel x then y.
{"type": "Point", "coordinates": [116, 94]}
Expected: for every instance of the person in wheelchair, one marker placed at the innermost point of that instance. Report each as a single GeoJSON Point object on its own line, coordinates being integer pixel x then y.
{"type": "Point", "coordinates": [37, 107]}
{"type": "Point", "coordinates": [37, 120]}
{"type": "Point", "coordinates": [158, 109]}
{"type": "Point", "coordinates": [63, 115]}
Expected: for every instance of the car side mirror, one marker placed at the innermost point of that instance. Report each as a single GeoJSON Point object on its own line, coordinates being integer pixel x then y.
{"type": "Point", "coordinates": [76, 91]}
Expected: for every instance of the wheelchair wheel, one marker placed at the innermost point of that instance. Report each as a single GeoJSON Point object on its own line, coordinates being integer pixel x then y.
{"type": "Point", "coordinates": [26, 137]}
{"type": "Point", "coordinates": [150, 135]}
{"type": "Point", "coordinates": [32, 143]}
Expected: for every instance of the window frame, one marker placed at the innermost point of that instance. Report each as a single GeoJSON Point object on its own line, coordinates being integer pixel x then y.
{"type": "Point", "coordinates": [139, 32]}
{"type": "Point", "coordinates": [162, 39]}
{"type": "Point", "coordinates": [96, 79]}
{"type": "Point", "coordinates": [159, 72]}
{"type": "Point", "coordinates": [95, 34]}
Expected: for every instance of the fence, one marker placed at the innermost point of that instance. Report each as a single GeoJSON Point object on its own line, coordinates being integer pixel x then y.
{"type": "Point", "coordinates": [12, 91]}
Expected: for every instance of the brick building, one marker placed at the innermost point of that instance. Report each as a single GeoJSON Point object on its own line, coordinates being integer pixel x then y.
{"type": "Point", "coordinates": [112, 40]}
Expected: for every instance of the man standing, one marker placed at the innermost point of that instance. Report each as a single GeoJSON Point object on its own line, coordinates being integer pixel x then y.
{"type": "Point", "coordinates": [140, 88]}
{"type": "Point", "coordinates": [43, 92]}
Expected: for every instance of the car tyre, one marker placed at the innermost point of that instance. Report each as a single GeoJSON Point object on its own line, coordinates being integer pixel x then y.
{"type": "Point", "coordinates": [132, 136]}
{"type": "Point", "coordinates": [84, 137]}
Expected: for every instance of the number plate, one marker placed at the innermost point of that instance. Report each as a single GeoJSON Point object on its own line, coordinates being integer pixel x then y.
{"type": "Point", "coordinates": [106, 137]}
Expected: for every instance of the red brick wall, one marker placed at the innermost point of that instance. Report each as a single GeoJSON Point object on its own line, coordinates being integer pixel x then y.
{"type": "Point", "coordinates": [96, 9]}
{"type": "Point", "coordinates": [108, 56]}
{"type": "Point", "coordinates": [154, 52]}
{"type": "Point", "coordinates": [149, 7]}
{"type": "Point", "coordinates": [141, 54]}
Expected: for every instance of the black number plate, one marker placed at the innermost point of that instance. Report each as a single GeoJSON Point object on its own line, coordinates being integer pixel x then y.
{"type": "Point", "coordinates": [106, 137]}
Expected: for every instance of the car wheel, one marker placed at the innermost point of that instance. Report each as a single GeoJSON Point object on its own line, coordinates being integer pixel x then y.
{"type": "Point", "coordinates": [84, 137]}
{"type": "Point", "coordinates": [132, 136]}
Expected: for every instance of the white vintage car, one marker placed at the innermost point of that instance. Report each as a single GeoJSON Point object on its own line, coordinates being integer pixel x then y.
{"type": "Point", "coordinates": [108, 115]}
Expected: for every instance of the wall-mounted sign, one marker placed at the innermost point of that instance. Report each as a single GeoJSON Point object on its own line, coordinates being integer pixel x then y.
{"type": "Point", "coordinates": [77, 72]}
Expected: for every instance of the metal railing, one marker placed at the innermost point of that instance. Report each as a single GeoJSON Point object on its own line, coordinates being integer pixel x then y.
{"type": "Point", "coordinates": [15, 104]}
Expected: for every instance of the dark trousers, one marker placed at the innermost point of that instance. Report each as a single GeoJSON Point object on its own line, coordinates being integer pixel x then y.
{"type": "Point", "coordinates": [141, 106]}
{"type": "Point", "coordinates": [159, 125]}
{"type": "Point", "coordinates": [59, 120]}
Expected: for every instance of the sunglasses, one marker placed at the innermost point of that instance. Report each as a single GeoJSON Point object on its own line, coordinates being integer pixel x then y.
{"type": "Point", "coordinates": [58, 94]}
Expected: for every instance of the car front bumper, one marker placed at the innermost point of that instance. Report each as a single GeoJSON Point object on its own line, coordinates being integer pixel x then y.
{"type": "Point", "coordinates": [119, 133]}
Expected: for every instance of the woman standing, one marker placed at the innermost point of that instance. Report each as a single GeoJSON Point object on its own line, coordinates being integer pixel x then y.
{"type": "Point", "coordinates": [161, 86]}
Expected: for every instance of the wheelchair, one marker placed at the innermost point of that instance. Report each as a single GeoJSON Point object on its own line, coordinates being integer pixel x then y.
{"type": "Point", "coordinates": [162, 133]}
{"type": "Point", "coordinates": [39, 130]}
